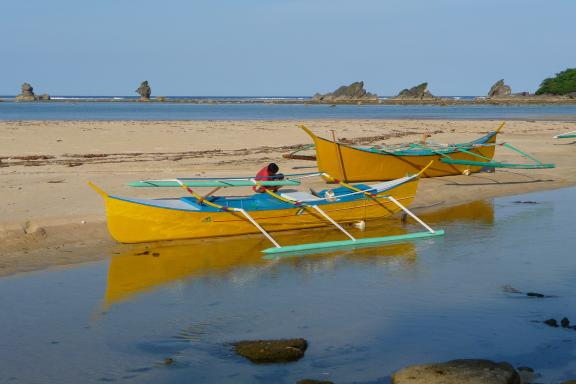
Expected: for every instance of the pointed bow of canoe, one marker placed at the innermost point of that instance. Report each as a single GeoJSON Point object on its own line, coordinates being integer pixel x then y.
{"type": "Point", "coordinates": [98, 190]}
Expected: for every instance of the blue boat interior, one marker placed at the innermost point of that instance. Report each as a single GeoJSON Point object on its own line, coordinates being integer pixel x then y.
{"type": "Point", "coordinates": [263, 201]}
{"type": "Point", "coordinates": [255, 202]}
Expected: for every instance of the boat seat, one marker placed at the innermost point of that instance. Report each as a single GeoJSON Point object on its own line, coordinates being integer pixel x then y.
{"type": "Point", "coordinates": [300, 196]}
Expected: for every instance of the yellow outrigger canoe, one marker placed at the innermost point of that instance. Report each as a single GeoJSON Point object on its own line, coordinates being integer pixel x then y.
{"type": "Point", "coordinates": [144, 220]}
{"type": "Point", "coordinates": [354, 163]}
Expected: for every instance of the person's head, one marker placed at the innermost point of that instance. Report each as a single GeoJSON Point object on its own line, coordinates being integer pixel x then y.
{"type": "Point", "coordinates": [272, 169]}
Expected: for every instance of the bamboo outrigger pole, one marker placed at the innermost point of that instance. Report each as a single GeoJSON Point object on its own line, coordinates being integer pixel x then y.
{"type": "Point", "coordinates": [391, 198]}
{"type": "Point", "coordinates": [324, 245]}
{"type": "Point", "coordinates": [315, 207]}
{"type": "Point", "coordinates": [202, 199]}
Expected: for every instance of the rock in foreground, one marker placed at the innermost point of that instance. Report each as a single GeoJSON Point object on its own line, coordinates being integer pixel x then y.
{"type": "Point", "coordinates": [354, 92]}
{"type": "Point", "coordinates": [458, 372]}
{"type": "Point", "coordinates": [271, 351]}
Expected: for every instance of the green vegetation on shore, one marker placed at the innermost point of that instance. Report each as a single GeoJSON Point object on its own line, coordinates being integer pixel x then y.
{"type": "Point", "coordinates": [562, 84]}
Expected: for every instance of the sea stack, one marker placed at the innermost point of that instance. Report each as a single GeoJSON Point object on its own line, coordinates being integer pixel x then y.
{"type": "Point", "coordinates": [26, 93]}
{"type": "Point", "coordinates": [499, 89]}
{"type": "Point", "coordinates": [418, 92]}
{"type": "Point", "coordinates": [353, 93]}
{"type": "Point", "coordinates": [144, 91]}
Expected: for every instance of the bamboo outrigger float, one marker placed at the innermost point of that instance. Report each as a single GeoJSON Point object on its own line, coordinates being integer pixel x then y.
{"type": "Point", "coordinates": [354, 163]}
{"type": "Point", "coordinates": [196, 216]}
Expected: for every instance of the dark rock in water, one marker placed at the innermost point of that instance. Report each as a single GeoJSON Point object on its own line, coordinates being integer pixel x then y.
{"type": "Point", "coordinates": [551, 323]}
{"type": "Point", "coordinates": [525, 202]}
{"type": "Point", "coordinates": [418, 92]}
{"type": "Point", "coordinates": [312, 381]}
{"type": "Point", "coordinates": [565, 323]}
{"type": "Point", "coordinates": [168, 361]}
{"type": "Point", "coordinates": [500, 89]}
{"type": "Point", "coordinates": [26, 93]}
{"type": "Point", "coordinates": [271, 351]}
{"type": "Point", "coordinates": [535, 294]}
{"type": "Point", "coordinates": [44, 97]}
{"type": "Point", "coordinates": [458, 372]}
{"type": "Point", "coordinates": [354, 92]}
{"type": "Point", "coordinates": [144, 91]}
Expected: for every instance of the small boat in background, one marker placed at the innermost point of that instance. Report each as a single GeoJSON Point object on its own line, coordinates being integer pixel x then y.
{"type": "Point", "coordinates": [355, 163]}
{"type": "Point", "coordinates": [567, 135]}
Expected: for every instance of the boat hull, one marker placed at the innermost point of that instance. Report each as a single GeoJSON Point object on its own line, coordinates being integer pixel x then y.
{"type": "Point", "coordinates": [353, 164]}
{"type": "Point", "coordinates": [133, 222]}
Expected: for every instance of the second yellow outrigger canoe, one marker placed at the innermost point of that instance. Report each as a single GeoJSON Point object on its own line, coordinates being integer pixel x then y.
{"type": "Point", "coordinates": [354, 163]}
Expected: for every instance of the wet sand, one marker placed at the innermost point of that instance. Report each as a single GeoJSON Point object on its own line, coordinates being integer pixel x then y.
{"type": "Point", "coordinates": [49, 216]}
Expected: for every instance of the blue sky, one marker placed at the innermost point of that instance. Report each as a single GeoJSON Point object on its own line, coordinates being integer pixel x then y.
{"type": "Point", "coordinates": [282, 47]}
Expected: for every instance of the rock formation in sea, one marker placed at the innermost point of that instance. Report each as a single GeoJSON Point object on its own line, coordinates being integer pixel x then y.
{"type": "Point", "coordinates": [26, 93]}
{"type": "Point", "coordinates": [144, 91]}
{"type": "Point", "coordinates": [354, 92]}
{"type": "Point", "coordinates": [418, 92]}
{"type": "Point", "coordinates": [499, 89]}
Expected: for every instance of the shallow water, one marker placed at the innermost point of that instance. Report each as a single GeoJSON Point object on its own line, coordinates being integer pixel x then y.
{"type": "Point", "coordinates": [179, 111]}
{"type": "Point", "coordinates": [365, 313]}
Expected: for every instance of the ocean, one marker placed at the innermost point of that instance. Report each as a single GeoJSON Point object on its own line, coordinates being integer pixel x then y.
{"type": "Point", "coordinates": [243, 110]}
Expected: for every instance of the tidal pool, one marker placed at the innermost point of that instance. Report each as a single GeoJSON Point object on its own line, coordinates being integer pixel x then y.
{"type": "Point", "coordinates": [365, 313]}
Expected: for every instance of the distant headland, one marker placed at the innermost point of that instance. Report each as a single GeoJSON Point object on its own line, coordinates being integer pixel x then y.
{"type": "Point", "coordinates": [560, 89]}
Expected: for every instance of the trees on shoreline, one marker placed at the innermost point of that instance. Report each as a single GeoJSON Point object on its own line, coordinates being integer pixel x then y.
{"type": "Point", "coordinates": [562, 84]}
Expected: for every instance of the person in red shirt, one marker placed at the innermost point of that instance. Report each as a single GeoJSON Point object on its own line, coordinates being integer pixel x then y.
{"type": "Point", "coordinates": [269, 172]}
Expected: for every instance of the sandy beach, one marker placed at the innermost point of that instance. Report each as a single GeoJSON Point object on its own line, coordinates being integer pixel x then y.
{"type": "Point", "coordinates": [50, 217]}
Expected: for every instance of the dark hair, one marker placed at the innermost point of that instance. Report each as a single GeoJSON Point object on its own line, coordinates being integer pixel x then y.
{"type": "Point", "coordinates": [273, 168]}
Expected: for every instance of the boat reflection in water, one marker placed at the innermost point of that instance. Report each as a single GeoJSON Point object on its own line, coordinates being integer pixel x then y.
{"type": "Point", "coordinates": [480, 211]}
{"type": "Point", "coordinates": [142, 268]}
